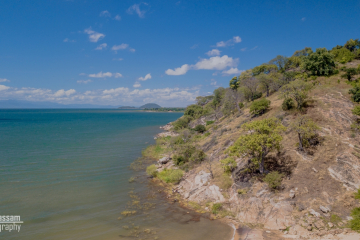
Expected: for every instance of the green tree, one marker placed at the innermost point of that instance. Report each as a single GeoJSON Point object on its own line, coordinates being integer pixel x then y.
{"type": "Point", "coordinates": [293, 62]}
{"type": "Point", "coordinates": [297, 90]}
{"type": "Point", "coordinates": [234, 86]}
{"type": "Point", "coordinates": [305, 128]}
{"type": "Point", "coordinates": [264, 137]}
{"type": "Point", "coordinates": [320, 62]}
{"type": "Point", "coordinates": [355, 92]}
{"type": "Point", "coordinates": [349, 73]}
{"type": "Point", "coordinates": [194, 111]}
{"type": "Point", "coordinates": [342, 55]}
{"type": "Point", "coordinates": [280, 62]}
{"type": "Point", "coordinates": [352, 44]}
{"type": "Point", "coordinates": [356, 110]}
{"type": "Point", "coordinates": [264, 68]}
{"type": "Point", "coordinates": [202, 101]}
{"type": "Point", "coordinates": [265, 81]}
{"type": "Point", "coordinates": [218, 96]}
{"type": "Point", "coordinates": [260, 106]}
{"type": "Point", "coordinates": [303, 53]}
{"type": "Point", "coordinates": [228, 164]}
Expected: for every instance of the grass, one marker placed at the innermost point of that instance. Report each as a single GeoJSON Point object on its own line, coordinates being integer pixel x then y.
{"type": "Point", "coordinates": [131, 180]}
{"type": "Point", "coordinates": [151, 170]}
{"type": "Point", "coordinates": [170, 175]}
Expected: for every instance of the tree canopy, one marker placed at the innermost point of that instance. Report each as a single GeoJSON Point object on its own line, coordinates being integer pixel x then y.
{"type": "Point", "coordinates": [296, 90]}
{"type": "Point", "coordinates": [320, 62]}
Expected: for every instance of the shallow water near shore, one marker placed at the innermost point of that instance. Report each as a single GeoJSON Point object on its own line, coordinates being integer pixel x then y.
{"type": "Point", "coordinates": [66, 173]}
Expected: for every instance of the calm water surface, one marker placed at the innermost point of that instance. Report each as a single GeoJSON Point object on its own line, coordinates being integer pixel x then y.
{"type": "Point", "coordinates": [66, 173]}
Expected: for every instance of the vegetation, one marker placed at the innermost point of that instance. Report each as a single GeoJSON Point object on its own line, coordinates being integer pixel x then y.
{"type": "Point", "coordinates": [194, 111]}
{"type": "Point", "coordinates": [264, 137]}
{"type": "Point", "coordinates": [182, 122]}
{"type": "Point", "coordinates": [288, 104]}
{"type": "Point", "coordinates": [260, 106]}
{"type": "Point", "coordinates": [320, 63]}
{"type": "Point", "coordinates": [164, 109]}
{"type": "Point", "coordinates": [274, 179]}
{"type": "Point", "coordinates": [216, 207]}
{"type": "Point", "coordinates": [151, 170]}
{"type": "Point", "coordinates": [228, 164]}
{"type": "Point", "coordinates": [305, 129]}
{"type": "Point", "coordinates": [170, 175]}
{"type": "Point", "coordinates": [296, 90]}
{"type": "Point", "coordinates": [200, 128]}
{"type": "Point", "coordinates": [355, 92]}
{"type": "Point", "coordinates": [350, 73]}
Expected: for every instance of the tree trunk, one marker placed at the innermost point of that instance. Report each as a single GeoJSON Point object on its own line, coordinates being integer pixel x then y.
{"type": "Point", "coordinates": [301, 148]}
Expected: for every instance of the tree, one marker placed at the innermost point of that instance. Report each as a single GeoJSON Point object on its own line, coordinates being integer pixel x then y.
{"type": "Point", "coordinates": [297, 90]}
{"type": "Point", "coordinates": [264, 137]}
{"type": "Point", "coordinates": [352, 44]}
{"type": "Point", "coordinates": [305, 128]}
{"type": "Point", "coordinates": [234, 85]}
{"type": "Point", "coordinates": [355, 93]}
{"type": "Point", "coordinates": [228, 164]}
{"type": "Point", "coordinates": [320, 62]}
{"type": "Point", "coordinates": [356, 110]}
{"type": "Point", "coordinates": [201, 101]}
{"type": "Point", "coordinates": [343, 55]}
{"type": "Point", "coordinates": [349, 73]}
{"type": "Point", "coordinates": [218, 96]}
{"type": "Point", "coordinates": [194, 111]}
{"type": "Point", "coordinates": [249, 88]}
{"type": "Point", "coordinates": [293, 62]}
{"type": "Point", "coordinates": [280, 62]}
{"type": "Point", "coordinates": [259, 107]}
{"type": "Point", "coordinates": [264, 68]}
{"type": "Point", "coordinates": [265, 82]}
{"type": "Point", "coordinates": [303, 53]}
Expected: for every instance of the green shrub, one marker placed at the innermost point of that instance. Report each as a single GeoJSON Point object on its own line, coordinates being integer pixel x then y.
{"type": "Point", "coordinates": [343, 55]}
{"type": "Point", "coordinates": [256, 95]}
{"type": "Point", "coordinates": [207, 134]}
{"type": "Point", "coordinates": [228, 164]}
{"type": "Point", "coordinates": [200, 128]}
{"type": "Point", "coordinates": [288, 104]}
{"type": "Point", "coordinates": [171, 175]}
{"type": "Point", "coordinates": [260, 106]}
{"type": "Point", "coordinates": [356, 110]}
{"type": "Point", "coordinates": [355, 222]}
{"type": "Point", "coordinates": [209, 123]}
{"type": "Point", "coordinates": [182, 122]}
{"type": "Point", "coordinates": [241, 191]}
{"type": "Point", "coordinates": [335, 218]}
{"type": "Point", "coordinates": [194, 111]}
{"type": "Point", "coordinates": [178, 160]}
{"type": "Point", "coordinates": [274, 179]}
{"type": "Point", "coordinates": [355, 93]}
{"type": "Point", "coordinates": [320, 62]}
{"type": "Point", "coordinates": [151, 170]}
{"type": "Point", "coordinates": [177, 140]}
{"type": "Point", "coordinates": [241, 105]}
{"type": "Point", "coordinates": [216, 208]}
{"type": "Point", "coordinates": [349, 73]}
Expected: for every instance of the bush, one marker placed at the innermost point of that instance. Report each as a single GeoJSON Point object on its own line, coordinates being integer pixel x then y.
{"type": "Point", "coordinates": [241, 105]}
{"type": "Point", "coordinates": [216, 208]}
{"type": "Point", "coordinates": [209, 123]}
{"type": "Point", "coordinates": [171, 175]}
{"type": "Point", "coordinates": [178, 160]}
{"type": "Point", "coordinates": [355, 93]}
{"type": "Point", "coordinates": [274, 179]}
{"type": "Point", "coordinates": [288, 104]}
{"type": "Point", "coordinates": [200, 128]}
{"type": "Point", "coordinates": [356, 110]}
{"type": "Point", "coordinates": [194, 111]}
{"type": "Point", "coordinates": [228, 164]}
{"type": "Point", "coordinates": [256, 95]}
{"type": "Point", "coordinates": [260, 106]}
{"type": "Point", "coordinates": [151, 170]}
{"type": "Point", "coordinates": [343, 55]}
{"type": "Point", "coordinates": [355, 222]}
{"type": "Point", "coordinates": [182, 122]}
{"type": "Point", "coordinates": [349, 73]}
{"type": "Point", "coordinates": [320, 63]}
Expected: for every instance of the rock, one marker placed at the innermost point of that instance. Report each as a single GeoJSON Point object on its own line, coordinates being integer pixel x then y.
{"type": "Point", "coordinates": [292, 193]}
{"type": "Point", "coordinates": [164, 160]}
{"type": "Point", "coordinates": [202, 178]}
{"type": "Point", "coordinates": [301, 207]}
{"type": "Point", "coordinates": [319, 224]}
{"type": "Point", "coordinates": [330, 225]}
{"type": "Point", "coordinates": [349, 218]}
{"type": "Point", "coordinates": [324, 209]}
{"type": "Point", "coordinates": [312, 212]}
{"type": "Point", "coordinates": [315, 170]}
{"type": "Point", "coordinates": [292, 231]}
{"type": "Point", "coordinates": [309, 228]}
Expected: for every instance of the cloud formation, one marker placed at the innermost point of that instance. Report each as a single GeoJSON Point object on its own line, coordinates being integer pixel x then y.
{"type": "Point", "coordinates": [136, 9]}
{"type": "Point", "coordinates": [93, 36]}
{"type": "Point", "coordinates": [101, 46]}
{"type": "Point", "coordinates": [117, 17]}
{"type": "Point", "coordinates": [232, 71]}
{"type": "Point", "coordinates": [178, 71]}
{"type": "Point", "coordinates": [137, 85]}
{"type": "Point", "coordinates": [84, 81]}
{"type": "Point", "coordinates": [4, 80]}
{"type": "Point", "coordinates": [105, 14]}
{"type": "Point", "coordinates": [105, 75]}
{"type": "Point", "coordinates": [214, 52]}
{"type": "Point", "coordinates": [147, 76]}
{"type": "Point", "coordinates": [175, 97]}
{"type": "Point", "coordinates": [230, 42]}
{"type": "Point", "coordinates": [68, 40]}
{"type": "Point", "coordinates": [122, 46]}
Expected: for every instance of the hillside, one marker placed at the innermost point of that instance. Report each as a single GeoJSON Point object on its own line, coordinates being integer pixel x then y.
{"type": "Point", "coordinates": [237, 153]}
{"type": "Point", "coordinates": [150, 106]}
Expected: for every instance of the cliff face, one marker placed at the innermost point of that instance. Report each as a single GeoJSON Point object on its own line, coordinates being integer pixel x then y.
{"type": "Point", "coordinates": [316, 195]}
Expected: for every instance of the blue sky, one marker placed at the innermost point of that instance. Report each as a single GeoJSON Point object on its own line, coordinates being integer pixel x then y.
{"type": "Point", "coordinates": [168, 52]}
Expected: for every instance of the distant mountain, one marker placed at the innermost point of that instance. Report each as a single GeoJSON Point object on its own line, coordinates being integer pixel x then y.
{"type": "Point", "coordinates": [149, 106]}
{"type": "Point", "coordinates": [29, 104]}
{"type": "Point", "coordinates": [127, 107]}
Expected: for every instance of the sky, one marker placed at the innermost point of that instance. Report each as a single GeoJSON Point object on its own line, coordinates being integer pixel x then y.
{"type": "Point", "coordinates": [167, 52]}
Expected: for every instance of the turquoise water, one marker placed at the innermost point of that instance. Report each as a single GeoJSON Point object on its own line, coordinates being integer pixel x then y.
{"type": "Point", "coordinates": [66, 173]}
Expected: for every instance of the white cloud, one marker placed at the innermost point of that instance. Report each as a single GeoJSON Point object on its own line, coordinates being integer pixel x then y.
{"type": "Point", "coordinates": [105, 14]}
{"type": "Point", "coordinates": [4, 80]}
{"type": "Point", "coordinates": [118, 75]}
{"type": "Point", "coordinates": [137, 85]}
{"type": "Point", "coordinates": [213, 82]}
{"type": "Point", "coordinates": [232, 71]}
{"type": "Point", "coordinates": [216, 63]}
{"type": "Point", "coordinates": [243, 49]}
{"type": "Point", "coordinates": [117, 17]}
{"type": "Point", "coordinates": [94, 36]}
{"type": "Point", "coordinates": [62, 92]}
{"type": "Point", "coordinates": [3, 87]}
{"type": "Point", "coordinates": [164, 96]}
{"type": "Point", "coordinates": [230, 42]}
{"type": "Point", "coordinates": [122, 46]}
{"type": "Point", "coordinates": [101, 75]}
{"type": "Point", "coordinates": [194, 46]}
{"type": "Point", "coordinates": [303, 19]}
{"type": "Point", "coordinates": [118, 59]}
{"type": "Point", "coordinates": [101, 46]}
{"type": "Point", "coordinates": [68, 40]}
{"type": "Point", "coordinates": [148, 76]}
{"type": "Point", "coordinates": [214, 52]}
{"type": "Point", "coordinates": [136, 9]}
{"type": "Point", "coordinates": [178, 71]}
{"type": "Point", "coordinates": [84, 81]}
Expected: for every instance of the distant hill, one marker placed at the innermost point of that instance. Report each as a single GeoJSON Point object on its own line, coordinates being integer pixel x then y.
{"type": "Point", "coordinates": [150, 106]}
{"type": "Point", "coordinates": [127, 107]}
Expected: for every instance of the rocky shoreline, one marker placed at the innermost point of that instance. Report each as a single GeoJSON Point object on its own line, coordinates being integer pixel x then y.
{"type": "Point", "coordinates": [260, 215]}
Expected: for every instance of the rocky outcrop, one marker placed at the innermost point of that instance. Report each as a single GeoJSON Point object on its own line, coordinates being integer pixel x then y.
{"type": "Point", "coordinates": [164, 160]}
{"type": "Point", "coordinates": [195, 188]}
{"type": "Point", "coordinates": [346, 170]}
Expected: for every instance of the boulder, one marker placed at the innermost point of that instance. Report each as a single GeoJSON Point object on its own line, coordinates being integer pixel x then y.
{"type": "Point", "coordinates": [292, 193]}
{"type": "Point", "coordinates": [164, 160]}
{"type": "Point", "coordinates": [314, 213]}
{"type": "Point", "coordinates": [324, 209]}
